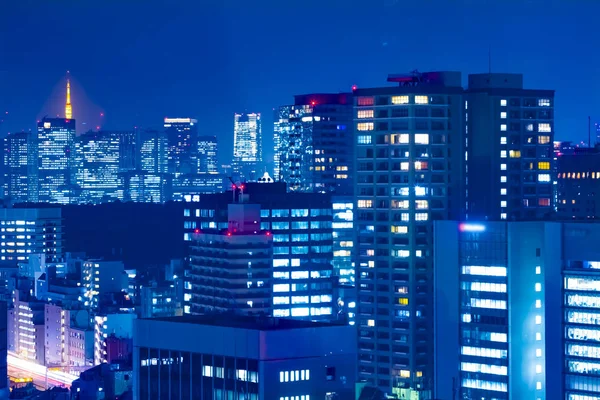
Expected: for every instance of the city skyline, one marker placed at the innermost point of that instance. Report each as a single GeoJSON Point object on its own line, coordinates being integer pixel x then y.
{"type": "Point", "coordinates": [213, 94]}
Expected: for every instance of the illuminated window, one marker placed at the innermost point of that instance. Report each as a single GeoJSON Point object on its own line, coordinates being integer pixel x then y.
{"type": "Point", "coordinates": [399, 229]}
{"type": "Point", "coordinates": [538, 304]}
{"type": "Point", "coordinates": [403, 204]}
{"type": "Point", "coordinates": [365, 126]}
{"type": "Point", "coordinates": [529, 127]}
{"type": "Point", "coordinates": [538, 336]}
{"type": "Point", "coordinates": [503, 191]}
{"type": "Point", "coordinates": [399, 99]}
{"type": "Point", "coordinates": [543, 177]}
{"type": "Point", "coordinates": [404, 166]}
{"type": "Point", "coordinates": [503, 115]}
{"type": "Point", "coordinates": [503, 167]}
{"type": "Point", "coordinates": [514, 154]}
{"type": "Point", "coordinates": [403, 301]}
{"type": "Point", "coordinates": [503, 216]}
{"type": "Point", "coordinates": [538, 352]}
{"type": "Point", "coordinates": [366, 113]}
{"type": "Point", "coordinates": [544, 202]}
{"type": "Point", "coordinates": [421, 165]}
{"type": "Point", "coordinates": [421, 204]}
{"type": "Point", "coordinates": [364, 139]}
{"type": "Point", "coordinates": [402, 138]}
{"type": "Point", "coordinates": [503, 127]}
{"type": "Point", "coordinates": [538, 385]}
{"type": "Point", "coordinates": [503, 140]}
{"type": "Point", "coordinates": [421, 217]}
{"type": "Point", "coordinates": [543, 139]}
{"type": "Point", "coordinates": [422, 138]}
{"type": "Point", "coordinates": [538, 319]}
{"type": "Point", "coordinates": [421, 100]}
{"type": "Point", "coordinates": [538, 270]}
{"type": "Point", "coordinates": [365, 203]}
{"type": "Point", "coordinates": [503, 102]}
{"type": "Point", "coordinates": [544, 102]}
{"type": "Point", "coordinates": [366, 101]}
{"type": "Point", "coordinates": [502, 153]}
{"type": "Point", "coordinates": [371, 322]}
{"type": "Point", "coordinates": [405, 217]}
{"type": "Point", "coordinates": [503, 204]}
{"type": "Point", "coordinates": [544, 127]}
{"type": "Point", "coordinates": [538, 287]}
{"type": "Point", "coordinates": [503, 179]}
{"type": "Point", "coordinates": [404, 373]}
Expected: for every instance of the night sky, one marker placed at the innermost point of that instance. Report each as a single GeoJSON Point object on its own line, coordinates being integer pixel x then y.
{"type": "Point", "coordinates": [138, 61]}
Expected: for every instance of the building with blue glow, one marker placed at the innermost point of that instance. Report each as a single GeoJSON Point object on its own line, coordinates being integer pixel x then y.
{"type": "Point", "coordinates": [301, 226]}
{"type": "Point", "coordinates": [313, 143]}
{"type": "Point", "coordinates": [208, 161]}
{"type": "Point", "coordinates": [182, 134]}
{"type": "Point", "coordinates": [191, 186]}
{"type": "Point", "coordinates": [152, 151]}
{"type": "Point", "coordinates": [19, 161]}
{"type": "Point", "coordinates": [101, 156]}
{"type": "Point", "coordinates": [55, 161]}
{"type": "Point", "coordinates": [517, 310]}
{"type": "Point", "coordinates": [236, 357]}
{"type": "Point", "coordinates": [247, 146]}
{"type": "Point", "coordinates": [146, 187]}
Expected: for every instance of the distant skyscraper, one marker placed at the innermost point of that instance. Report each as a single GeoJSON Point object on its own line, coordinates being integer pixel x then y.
{"type": "Point", "coordinates": [146, 187]}
{"type": "Point", "coordinates": [510, 133]}
{"type": "Point", "coordinates": [313, 143]}
{"type": "Point", "coordinates": [247, 145]}
{"type": "Point", "coordinates": [55, 160]}
{"type": "Point", "coordinates": [182, 134]}
{"type": "Point", "coordinates": [18, 163]}
{"type": "Point", "coordinates": [152, 151]}
{"type": "Point", "coordinates": [68, 108]}
{"type": "Point", "coordinates": [207, 154]}
{"type": "Point", "coordinates": [102, 155]}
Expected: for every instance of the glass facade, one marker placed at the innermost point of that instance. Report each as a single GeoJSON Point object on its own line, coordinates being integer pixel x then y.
{"type": "Point", "coordinates": [207, 155]}
{"type": "Point", "coordinates": [182, 135]}
{"type": "Point", "coordinates": [247, 146]}
{"type": "Point", "coordinates": [19, 160]}
{"type": "Point", "coordinates": [483, 314]}
{"type": "Point", "coordinates": [55, 160]}
{"type": "Point", "coordinates": [582, 331]}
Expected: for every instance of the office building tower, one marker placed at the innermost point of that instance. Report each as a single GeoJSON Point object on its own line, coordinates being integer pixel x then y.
{"type": "Point", "coordinates": [314, 143]}
{"type": "Point", "coordinates": [509, 141]}
{"type": "Point", "coordinates": [19, 161]}
{"type": "Point", "coordinates": [190, 187]}
{"type": "Point", "coordinates": [56, 161]}
{"type": "Point", "coordinates": [247, 146]}
{"type": "Point", "coordinates": [30, 231]}
{"type": "Point", "coordinates": [102, 155]}
{"type": "Point", "coordinates": [301, 226]}
{"type": "Point", "coordinates": [343, 239]}
{"type": "Point", "coordinates": [207, 155]}
{"type": "Point", "coordinates": [152, 151]}
{"type": "Point", "coordinates": [209, 357]}
{"type": "Point", "coordinates": [182, 134]}
{"type": "Point", "coordinates": [517, 310]}
{"type": "Point", "coordinates": [146, 187]}
{"type": "Point", "coordinates": [578, 184]}
{"type": "Point", "coordinates": [408, 173]}
{"type": "Point", "coordinates": [231, 269]}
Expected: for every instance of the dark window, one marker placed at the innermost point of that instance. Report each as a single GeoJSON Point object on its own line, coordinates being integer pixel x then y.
{"type": "Point", "coordinates": [330, 373]}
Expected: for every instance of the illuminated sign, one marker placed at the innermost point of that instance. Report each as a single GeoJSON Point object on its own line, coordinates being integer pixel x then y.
{"type": "Point", "coordinates": [471, 227]}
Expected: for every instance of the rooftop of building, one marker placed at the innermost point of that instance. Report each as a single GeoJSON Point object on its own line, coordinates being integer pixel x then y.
{"type": "Point", "coordinates": [246, 322]}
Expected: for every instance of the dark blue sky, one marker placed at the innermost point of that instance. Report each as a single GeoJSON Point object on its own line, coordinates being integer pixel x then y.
{"type": "Point", "coordinates": [140, 60]}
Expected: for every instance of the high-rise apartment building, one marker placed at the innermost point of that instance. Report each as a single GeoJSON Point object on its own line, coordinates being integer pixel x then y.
{"type": "Point", "coordinates": [182, 134]}
{"type": "Point", "coordinates": [231, 270]}
{"type": "Point", "coordinates": [55, 161]}
{"type": "Point", "coordinates": [19, 161]}
{"type": "Point", "coordinates": [313, 143]}
{"type": "Point", "coordinates": [509, 141]}
{"type": "Point", "coordinates": [409, 172]}
{"type": "Point", "coordinates": [247, 146]}
{"type": "Point", "coordinates": [207, 155]}
{"type": "Point", "coordinates": [102, 155]}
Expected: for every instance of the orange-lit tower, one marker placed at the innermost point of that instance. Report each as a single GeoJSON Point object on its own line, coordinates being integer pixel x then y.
{"type": "Point", "coordinates": [68, 108]}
